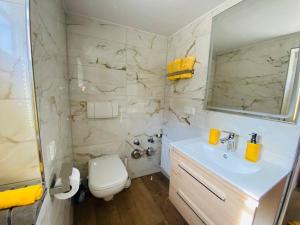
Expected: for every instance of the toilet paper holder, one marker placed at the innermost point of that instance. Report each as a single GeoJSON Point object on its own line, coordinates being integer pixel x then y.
{"type": "Point", "coordinates": [64, 186]}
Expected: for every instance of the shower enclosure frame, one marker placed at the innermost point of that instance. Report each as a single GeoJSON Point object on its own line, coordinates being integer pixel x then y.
{"type": "Point", "coordinates": [291, 185]}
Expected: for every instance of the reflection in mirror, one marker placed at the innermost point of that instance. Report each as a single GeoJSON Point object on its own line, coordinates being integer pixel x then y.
{"type": "Point", "coordinates": [19, 152]}
{"type": "Point", "coordinates": [254, 58]}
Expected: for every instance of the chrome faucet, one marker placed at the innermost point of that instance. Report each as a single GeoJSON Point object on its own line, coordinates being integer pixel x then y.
{"type": "Point", "coordinates": [231, 140]}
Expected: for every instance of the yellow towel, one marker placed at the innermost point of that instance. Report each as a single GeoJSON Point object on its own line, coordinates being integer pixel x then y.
{"type": "Point", "coordinates": [180, 65]}
{"type": "Point", "coordinates": [21, 196]}
{"type": "Point", "coordinates": [294, 223]}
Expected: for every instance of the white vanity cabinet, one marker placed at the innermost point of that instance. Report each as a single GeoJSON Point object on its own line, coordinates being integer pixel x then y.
{"type": "Point", "coordinates": [204, 198]}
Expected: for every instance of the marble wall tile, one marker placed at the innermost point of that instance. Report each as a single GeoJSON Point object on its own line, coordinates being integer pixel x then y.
{"type": "Point", "coordinates": [146, 60]}
{"type": "Point", "coordinates": [93, 81]}
{"type": "Point", "coordinates": [144, 119]}
{"type": "Point", "coordinates": [97, 131]}
{"type": "Point", "coordinates": [144, 165]}
{"type": "Point", "coordinates": [108, 62]}
{"type": "Point", "coordinates": [49, 55]}
{"type": "Point", "coordinates": [145, 84]}
{"type": "Point", "coordinates": [143, 106]}
{"type": "Point", "coordinates": [48, 33]}
{"type": "Point", "coordinates": [87, 50]}
{"type": "Point", "coordinates": [19, 158]}
{"type": "Point", "coordinates": [96, 28]}
{"type": "Point", "coordinates": [144, 39]}
{"type": "Point", "coordinates": [174, 110]}
{"type": "Point", "coordinates": [190, 40]}
{"type": "Point", "coordinates": [186, 88]}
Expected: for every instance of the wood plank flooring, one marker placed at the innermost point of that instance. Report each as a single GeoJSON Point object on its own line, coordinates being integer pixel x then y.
{"type": "Point", "coordinates": [146, 202]}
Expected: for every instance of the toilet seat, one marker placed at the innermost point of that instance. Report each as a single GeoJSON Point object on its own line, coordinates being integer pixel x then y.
{"type": "Point", "coordinates": [107, 172]}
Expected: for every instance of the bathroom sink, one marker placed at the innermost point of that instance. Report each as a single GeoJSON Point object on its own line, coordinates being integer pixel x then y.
{"type": "Point", "coordinates": [226, 160]}
{"type": "Point", "coordinates": [254, 179]}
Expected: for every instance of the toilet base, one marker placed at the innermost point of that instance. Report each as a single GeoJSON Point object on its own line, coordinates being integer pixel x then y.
{"type": "Point", "coordinates": [108, 198]}
{"type": "Point", "coordinates": [128, 183]}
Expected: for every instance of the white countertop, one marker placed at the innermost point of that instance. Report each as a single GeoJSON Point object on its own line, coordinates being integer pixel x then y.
{"type": "Point", "coordinates": [256, 184]}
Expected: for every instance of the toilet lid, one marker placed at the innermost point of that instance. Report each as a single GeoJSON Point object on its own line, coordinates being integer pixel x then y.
{"type": "Point", "coordinates": [106, 171]}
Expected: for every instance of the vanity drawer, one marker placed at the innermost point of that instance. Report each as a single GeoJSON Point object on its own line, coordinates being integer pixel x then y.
{"type": "Point", "coordinates": [215, 199]}
{"type": "Point", "coordinates": [186, 207]}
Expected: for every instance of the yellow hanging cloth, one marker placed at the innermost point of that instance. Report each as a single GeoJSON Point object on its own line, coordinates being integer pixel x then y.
{"type": "Point", "coordinates": [181, 65]}
{"type": "Point", "coordinates": [21, 196]}
{"type": "Point", "coordinates": [294, 223]}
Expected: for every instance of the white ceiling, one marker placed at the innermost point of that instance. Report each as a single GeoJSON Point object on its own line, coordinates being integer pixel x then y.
{"type": "Point", "coordinates": [252, 21]}
{"type": "Point", "coordinates": [163, 17]}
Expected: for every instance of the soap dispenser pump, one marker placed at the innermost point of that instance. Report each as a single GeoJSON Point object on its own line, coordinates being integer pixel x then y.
{"type": "Point", "coordinates": [253, 138]}
{"type": "Point", "coordinates": [252, 150]}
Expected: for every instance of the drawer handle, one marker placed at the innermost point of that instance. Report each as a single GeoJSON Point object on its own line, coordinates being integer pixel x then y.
{"type": "Point", "coordinates": [219, 196]}
{"type": "Point", "coordinates": [188, 204]}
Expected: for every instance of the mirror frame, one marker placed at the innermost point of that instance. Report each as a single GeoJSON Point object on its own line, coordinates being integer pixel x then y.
{"type": "Point", "coordinates": [291, 98]}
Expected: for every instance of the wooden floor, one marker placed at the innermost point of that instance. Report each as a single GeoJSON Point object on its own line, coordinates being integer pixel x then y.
{"type": "Point", "coordinates": [144, 203]}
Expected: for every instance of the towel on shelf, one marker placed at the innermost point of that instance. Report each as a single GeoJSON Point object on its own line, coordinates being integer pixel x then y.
{"type": "Point", "coordinates": [181, 68]}
{"type": "Point", "coordinates": [22, 196]}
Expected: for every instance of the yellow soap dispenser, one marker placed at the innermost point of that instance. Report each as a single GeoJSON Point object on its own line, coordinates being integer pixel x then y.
{"type": "Point", "coordinates": [252, 150]}
{"type": "Point", "coordinates": [214, 136]}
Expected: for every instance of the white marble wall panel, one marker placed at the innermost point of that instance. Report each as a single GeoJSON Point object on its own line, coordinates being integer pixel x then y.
{"type": "Point", "coordinates": [146, 60]}
{"type": "Point", "coordinates": [19, 159]}
{"type": "Point", "coordinates": [192, 40]}
{"type": "Point", "coordinates": [97, 81]}
{"type": "Point", "coordinates": [147, 40]}
{"type": "Point", "coordinates": [144, 119]}
{"type": "Point", "coordinates": [253, 77]}
{"type": "Point", "coordinates": [145, 84]}
{"type": "Point", "coordinates": [48, 36]}
{"type": "Point", "coordinates": [279, 140]}
{"type": "Point", "coordinates": [87, 50]}
{"type": "Point", "coordinates": [96, 28]}
{"type": "Point", "coordinates": [109, 62]}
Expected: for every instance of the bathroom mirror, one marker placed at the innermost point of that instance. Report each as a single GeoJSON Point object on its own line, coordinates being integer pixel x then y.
{"type": "Point", "coordinates": [254, 60]}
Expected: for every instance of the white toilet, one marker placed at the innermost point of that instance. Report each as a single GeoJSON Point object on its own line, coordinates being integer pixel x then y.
{"type": "Point", "coordinates": [107, 176]}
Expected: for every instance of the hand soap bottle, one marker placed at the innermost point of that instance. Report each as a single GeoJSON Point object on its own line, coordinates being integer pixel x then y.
{"type": "Point", "coordinates": [214, 136]}
{"type": "Point", "coordinates": [252, 150]}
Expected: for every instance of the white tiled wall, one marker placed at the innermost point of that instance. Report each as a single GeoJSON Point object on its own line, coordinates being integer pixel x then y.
{"type": "Point", "coordinates": [110, 62]}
